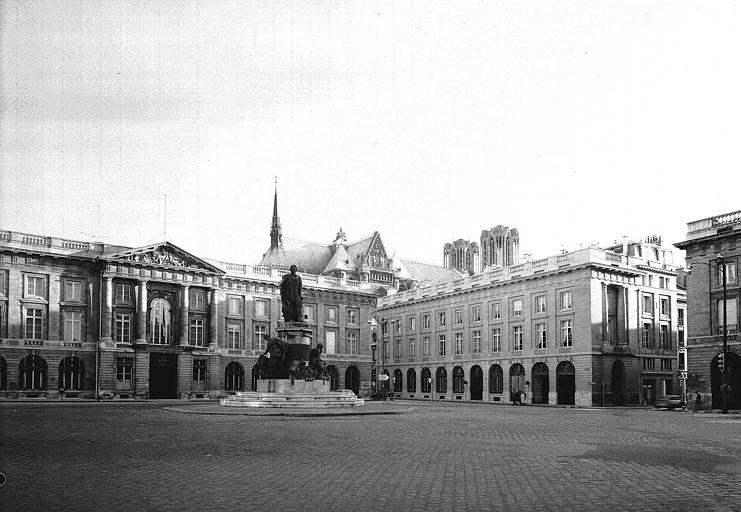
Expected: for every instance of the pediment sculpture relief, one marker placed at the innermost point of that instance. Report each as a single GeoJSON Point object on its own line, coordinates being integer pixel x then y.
{"type": "Point", "coordinates": [160, 257]}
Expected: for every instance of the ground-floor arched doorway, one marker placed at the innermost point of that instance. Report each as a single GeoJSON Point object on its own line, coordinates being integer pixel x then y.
{"type": "Point", "coordinates": [540, 388]}
{"type": "Point", "coordinates": [516, 380]}
{"type": "Point", "coordinates": [334, 377]}
{"type": "Point", "coordinates": [352, 379]}
{"type": "Point", "coordinates": [617, 383]}
{"type": "Point", "coordinates": [477, 383]}
{"type": "Point", "coordinates": [565, 383]}
{"type": "Point", "coordinates": [733, 362]}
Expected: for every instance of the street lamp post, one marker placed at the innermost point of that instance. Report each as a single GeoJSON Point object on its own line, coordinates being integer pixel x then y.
{"type": "Point", "coordinates": [724, 371]}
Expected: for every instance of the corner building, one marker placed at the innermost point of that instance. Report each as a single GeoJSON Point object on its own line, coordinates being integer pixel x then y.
{"type": "Point", "coordinates": [574, 329]}
{"type": "Point", "coordinates": [706, 240]}
{"type": "Point", "coordinates": [81, 319]}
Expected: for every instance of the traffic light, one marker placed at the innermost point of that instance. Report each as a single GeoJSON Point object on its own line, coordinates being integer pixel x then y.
{"type": "Point", "coordinates": [721, 361]}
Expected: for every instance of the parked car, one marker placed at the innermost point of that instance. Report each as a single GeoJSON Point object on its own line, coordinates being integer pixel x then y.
{"type": "Point", "coordinates": [669, 401]}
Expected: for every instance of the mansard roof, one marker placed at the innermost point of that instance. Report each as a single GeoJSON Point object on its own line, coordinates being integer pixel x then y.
{"type": "Point", "coordinates": [421, 272]}
{"type": "Point", "coordinates": [309, 257]}
{"type": "Point", "coordinates": [163, 254]}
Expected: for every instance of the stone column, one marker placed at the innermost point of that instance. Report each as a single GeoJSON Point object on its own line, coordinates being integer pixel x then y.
{"type": "Point", "coordinates": [213, 320]}
{"type": "Point", "coordinates": [107, 308]}
{"type": "Point", "coordinates": [141, 314]}
{"type": "Point", "coordinates": [625, 338]}
{"type": "Point", "coordinates": [184, 307]}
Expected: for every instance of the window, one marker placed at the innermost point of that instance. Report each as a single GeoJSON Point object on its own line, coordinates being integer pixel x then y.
{"type": "Point", "coordinates": [71, 374]}
{"type": "Point", "coordinates": [540, 304]}
{"type": "Point", "coordinates": [426, 380]}
{"type": "Point", "coordinates": [35, 287]}
{"type": "Point", "coordinates": [72, 326]}
{"type": "Point", "coordinates": [517, 337]}
{"type": "Point", "coordinates": [411, 381]}
{"type": "Point", "coordinates": [234, 374]}
{"type": "Point", "coordinates": [566, 334]}
{"type": "Point", "coordinates": [33, 373]}
{"type": "Point", "coordinates": [199, 374]}
{"type": "Point", "coordinates": [386, 354]}
{"type": "Point", "coordinates": [412, 348]}
{"type": "Point", "coordinates": [441, 319]}
{"type": "Point", "coordinates": [260, 337]}
{"type": "Point", "coordinates": [680, 317]}
{"type": "Point", "coordinates": [649, 364]}
{"type": "Point", "coordinates": [565, 300]}
{"type": "Point", "coordinates": [197, 300]}
{"type": "Point", "coordinates": [458, 343]}
{"type": "Point", "coordinates": [425, 321]}
{"type": "Point", "coordinates": [397, 381]}
{"type": "Point", "coordinates": [123, 328]}
{"type": "Point", "coordinates": [731, 314]}
{"type": "Point", "coordinates": [309, 313]}
{"type": "Point", "coordinates": [332, 314]}
{"type": "Point", "coordinates": [441, 345]}
{"type": "Point", "coordinates": [234, 336]}
{"type": "Point", "coordinates": [664, 333]}
{"type": "Point", "coordinates": [261, 308]}
{"type": "Point", "coordinates": [458, 379]}
{"type": "Point", "coordinates": [351, 343]}
{"type": "Point", "coordinates": [411, 324]}
{"type": "Point", "coordinates": [398, 326]}
{"type": "Point", "coordinates": [476, 342]}
{"type": "Point", "coordinates": [647, 335]}
{"type": "Point", "coordinates": [384, 327]}
{"type": "Point", "coordinates": [124, 373]}
{"type": "Point", "coordinates": [730, 273]}
{"type": "Point", "coordinates": [496, 379]}
{"type": "Point", "coordinates": [122, 293]}
{"type": "Point", "coordinates": [441, 380]}
{"type": "Point", "coordinates": [34, 323]}
{"type": "Point", "coordinates": [425, 346]}
{"type": "Point", "coordinates": [397, 349]}
{"type": "Point", "coordinates": [648, 304]}
{"type": "Point", "coordinates": [517, 308]}
{"type": "Point", "coordinates": [664, 306]}
{"type": "Point", "coordinates": [476, 313]}
{"type": "Point", "coordinates": [666, 364]}
{"type": "Point", "coordinates": [235, 306]}
{"type": "Point", "coordinates": [496, 339]}
{"type": "Point", "coordinates": [3, 283]}
{"type": "Point", "coordinates": [459, 317]}
{"type": "Point", "coordinates": [196, 332]}
{"type": "Point", "coordinates": [73, 291]}
{"type": "Point", "coordinates": [330, 342]}
{"type": "Point", "coordinates": [160, 321]}
{"type": "Point", "coordinates": [495, 311]}
{"type": "Point", "coordinates": [540, 333]}
{"type": "Point", "coordinates": [352, 316]}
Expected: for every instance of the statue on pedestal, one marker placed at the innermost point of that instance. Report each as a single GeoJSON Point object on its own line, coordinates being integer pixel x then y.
{"type": "Point", "coordinates": [273, 363]}
{"type": "Point", "coordinates": [290, 297]}
{"type": "Point", "coordinates": [317, 365]}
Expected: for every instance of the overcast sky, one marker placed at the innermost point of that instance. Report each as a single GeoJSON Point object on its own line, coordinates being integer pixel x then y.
{"type": "Point", "coordinates": [576, 122]}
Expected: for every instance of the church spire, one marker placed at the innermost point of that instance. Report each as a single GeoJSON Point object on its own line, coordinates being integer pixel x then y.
{"type": "Point", "coordinates": [276, 235]}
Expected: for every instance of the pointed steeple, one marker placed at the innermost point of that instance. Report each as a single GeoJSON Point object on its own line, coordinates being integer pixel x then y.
{"type": "Point", "coordinates": [276, 235]}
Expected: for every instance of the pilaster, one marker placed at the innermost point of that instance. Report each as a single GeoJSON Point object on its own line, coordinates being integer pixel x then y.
{"type": "Point", "coordinates": [184, 308]}
{"type": "Point", "coordinates": [141, 313]}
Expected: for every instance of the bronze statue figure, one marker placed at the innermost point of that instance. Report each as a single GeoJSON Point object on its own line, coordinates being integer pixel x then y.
{"type": "Point", "coordinates": [317, 365]}
{"type": "Point", "coordinates": [276, 364]}
{"type": "Point", "coordinates": [290, 297]}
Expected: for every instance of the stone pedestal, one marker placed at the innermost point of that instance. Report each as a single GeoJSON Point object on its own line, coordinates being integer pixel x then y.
{"type": "Point", "coordinates": [297, 336]}
{"type": "Point", "coordinates": [293, 393]}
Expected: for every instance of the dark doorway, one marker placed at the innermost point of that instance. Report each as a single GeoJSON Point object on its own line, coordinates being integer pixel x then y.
{"type": "Point", "coordinates": [163, 375]}
{"type": "Point", "coordinates": [477, 383]}
{"type": "Point", "coordinates": [565, 383]}
{"type": "Point", "coordinates": [352, 379]}
{"type": "Point", "coordinates": [541, 388]}
{"type": "Point", "coordinates": [618, 383]}
{"type": "Point", "coordinates": [734, 381]}
{"type": "Point", "coordinates": [516, 381]}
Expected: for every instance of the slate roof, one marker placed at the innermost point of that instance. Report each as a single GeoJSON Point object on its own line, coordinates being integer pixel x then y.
{"type": "Point", "coordinates": [309, 257]}
{"type": "Point", "coordinates": [420, 272]}
{"type": "Point", "coordinates": [340, 261]}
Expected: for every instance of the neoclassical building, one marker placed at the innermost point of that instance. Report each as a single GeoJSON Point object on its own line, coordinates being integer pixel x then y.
{"type": "Point", "coordinates": [713, 245]}
{"type": "Point", "coordinates": [80, 319]}
{"type": "Point", "coordinates": [588, 327]}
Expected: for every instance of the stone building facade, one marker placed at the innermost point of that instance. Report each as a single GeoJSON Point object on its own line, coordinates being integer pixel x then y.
{"type": "Point", "coordinates": [81, 319]}
{"type": "Point", "coordinates": [583, 328]}
{"type": "Point", "coordinates": [706, 240]}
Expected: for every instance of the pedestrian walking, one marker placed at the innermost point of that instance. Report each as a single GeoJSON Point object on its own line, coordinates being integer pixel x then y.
{"type": "Point", "coordinates": [698, 401]}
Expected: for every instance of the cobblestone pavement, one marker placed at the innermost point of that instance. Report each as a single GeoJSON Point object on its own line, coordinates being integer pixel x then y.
{"type": "Point", "coordinates": [441, 456]}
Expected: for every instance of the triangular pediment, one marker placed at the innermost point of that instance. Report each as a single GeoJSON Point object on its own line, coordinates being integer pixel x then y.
{"type": "Point", "coordinates": [164, 255]}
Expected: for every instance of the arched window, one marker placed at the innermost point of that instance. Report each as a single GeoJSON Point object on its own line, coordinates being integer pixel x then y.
{"type": "Point", "coordinates": [458, 380]}
{"type": "Point", "coordinates": [516, 379]}
{"type": "Point", "coordinates": [398, 376]}
{"type": "Point", "coordinates": [352, 379]}
{"type": "Point", "coordinates": [441, 380]}
{"type": "Point", "coordinates": [3, 374]}
{"type": "Point", "coordinates": [411, 381]}
{"type": "Point", "coordinates": [334, 377]}
{"type": "Point", "coordinates": [72, 374]}
{"type": "Point", "coordinates": [32, 370]}
{"type": "Point", "coordinates": [426, 380]}
{"type": "Point", "coordinates": [496, 379]}
{"type": "Point", "coordinates": [160, 319]}
{"type": "Point", "coordinates": [234, 376]}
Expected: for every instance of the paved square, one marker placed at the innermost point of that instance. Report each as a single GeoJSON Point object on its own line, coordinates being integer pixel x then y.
{"type": "Point", "coordinates": [441, 456]}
